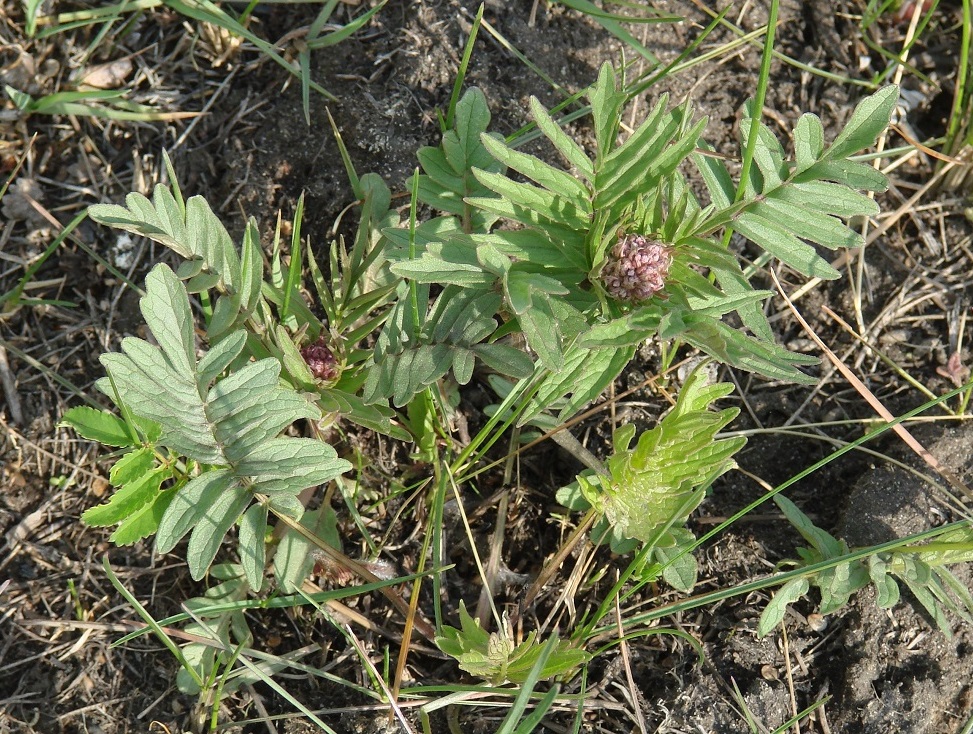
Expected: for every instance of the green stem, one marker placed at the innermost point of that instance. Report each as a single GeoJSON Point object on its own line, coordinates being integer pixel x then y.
{"type": "Point", "coordinates": [758, 102]}
{"type": "Point", "coordinates": [962, 97]}
{"type": "Point", "coordinates": [413, 286]}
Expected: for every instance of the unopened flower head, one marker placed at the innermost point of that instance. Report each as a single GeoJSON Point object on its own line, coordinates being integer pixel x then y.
{"type": "Point", "coordinates": [636, 268]}
{"type": "Point", "coordinates": [321, 361]}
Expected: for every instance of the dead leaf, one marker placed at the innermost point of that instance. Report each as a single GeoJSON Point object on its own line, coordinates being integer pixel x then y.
{"type": "Point", "coordinates": [106, 76]}
{"type": "Point", "coordinates": [955, 371]}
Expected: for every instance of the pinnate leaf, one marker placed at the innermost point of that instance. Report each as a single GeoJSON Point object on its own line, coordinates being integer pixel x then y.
{"type": "Point", "coordinates": [786, 203]}
{"type": "Point", "coordinates": [229, 424]}
{"type": "Point", "coordinates": [193, 232]}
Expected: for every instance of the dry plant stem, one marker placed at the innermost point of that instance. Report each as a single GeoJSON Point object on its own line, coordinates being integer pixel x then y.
{"type": "Point", "coordinates": [569, 590]}
{"type": "Point", "coordinates": [10, 389]}
{"type": "Point", "coordinates": [845, 257]}
{"type": "Point", "coordinates": [484, 604]}
{"type": "Point", "coordinates": [870, 398]}
{"type": "Point", "coordinates": [885, 359]}
{"type": "Point", "coordinates": [394, 711]}
{"type": "Point", "coordinates": [858, 280]}
{"type": "Point", "coordinates": [566, 440]}
{"type": "Point", "coordinates": [555, 563]}
{"type": "Point", "coordinates": [920, 147]}
{"type": "Point", "coordinates": [424, 627]}
{"type": "Point", "coordinates": [627, 662]}
{"type": "Point", "coordinates": [412, 616]}
{"type": "Point", "coordinates": [790, 678]}
{"type": "Point", "coordinates": [258, 703]}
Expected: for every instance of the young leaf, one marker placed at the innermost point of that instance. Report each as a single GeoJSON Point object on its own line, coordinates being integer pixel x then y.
{"type": "Point", "coordinates": [144, 521]}
{"type": "Point", "coordinates": [606, 106]}
{"type": "Point", "coordinates": [207, 536]}
{"type": "Point", "coordinates": [127, 500]}
{"type": "Point", "coordinates": [780, 242]}
{"type": "Point", "coordinates": [808, 141]}
{"type": "Point", "coordinates": [100, 426]}
{"type": "Point", "coordinates": [886, 589]}
{"type": "Point", "coordinates": [822, 541]}
{"type": "Point", "coordinates": [295, 553]}
{"type": "Point", "coordinates": [494, 656]}
{"type": "Point", "coordinates": [551, 178]}
{"type": "Point", "coordinates": [775, 611]}
{"type": "Point", "coordinates": [132, 466]}
{"type": "Point", "coordinates": [679, 566]}
{"type": "Point", "coordinates": [543, 332]}
{"type": "Point", "coordinates": [788, 202]}
{"type": "Point", "coordinates": [660, 481]}
{"type": "Point", "coordinates": [870, 118]}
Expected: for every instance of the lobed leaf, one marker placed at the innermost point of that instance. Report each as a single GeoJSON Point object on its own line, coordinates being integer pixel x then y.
{"type": "Point", "coordinates": [127, 500]}
{"type": "Point", "coordinates": [661, 480]}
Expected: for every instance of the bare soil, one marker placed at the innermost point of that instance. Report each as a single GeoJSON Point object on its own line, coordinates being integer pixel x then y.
{"type": "Point", "coordinates": [252, 154]}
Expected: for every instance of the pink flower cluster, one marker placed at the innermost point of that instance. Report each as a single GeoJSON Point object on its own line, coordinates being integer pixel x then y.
{"type": "Point", "coordinates": [636, 268]}
{"type": "Point", "coordinates": [321, 361]}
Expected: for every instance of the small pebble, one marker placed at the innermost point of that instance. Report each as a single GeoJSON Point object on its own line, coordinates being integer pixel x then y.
{"type": "Point", "coordinates": [769, 672]}
{"type": "Point", "coordinates": [817, 622]}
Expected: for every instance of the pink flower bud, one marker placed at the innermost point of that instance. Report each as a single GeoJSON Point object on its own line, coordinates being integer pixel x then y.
{"type": "Point", "coordinates": [636, 268]}
{"type": "Point", "coordinates": [321, 361]}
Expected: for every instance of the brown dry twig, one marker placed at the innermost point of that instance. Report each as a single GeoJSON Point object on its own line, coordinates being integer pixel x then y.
{"type": "Point", "coordinates": [870, 398]}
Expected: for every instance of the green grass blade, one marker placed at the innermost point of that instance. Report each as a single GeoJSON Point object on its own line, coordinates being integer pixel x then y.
{"type": "Point", "coordinates": [461, 72]}
{"type": "Point", "coordinates": [31, 12]}
{"type": "Point", "coordinates": [961, 112]}
{"type": "Point", "coordinates": [206, 11]}
{"type": "Point", "coordinates": [293, 282]}
{"type": "Point", "coordinates": [156, 628]}
{"type": "Point", "coordinates": [345, 31]}
{"type": "Point", "coordinates": [15, 295]}
{"type": "Point", "coordinates": [511, 721]}
{"type": "Point", "coordinates": [763, 80]}
{"type": "Point", "coordinates": [353, 179]}
{"type": "Point", "coordinates": [610, 24]}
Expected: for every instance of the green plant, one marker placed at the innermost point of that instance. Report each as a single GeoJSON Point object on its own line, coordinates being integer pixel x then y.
{"type": "Point", "coordinates": [108, 104]}
{"type": "Point", "coordinates": [495, 656]}
{"type": "Point", "coordinates": [922, 568]}
{"type": "Point", "coordinates": [647, 492]}
{"type": "Point", "coordinates": [581, 265]}
{"type": "Point", "coordinates": [548, 279]}
{"type": "Point", "coordinates": [111, 104]}
{"type": "Point", "coordinates": [216, 439]}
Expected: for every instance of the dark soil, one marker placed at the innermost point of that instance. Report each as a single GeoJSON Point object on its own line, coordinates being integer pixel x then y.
{"type": "Point", "coordinates": [875, 670]}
